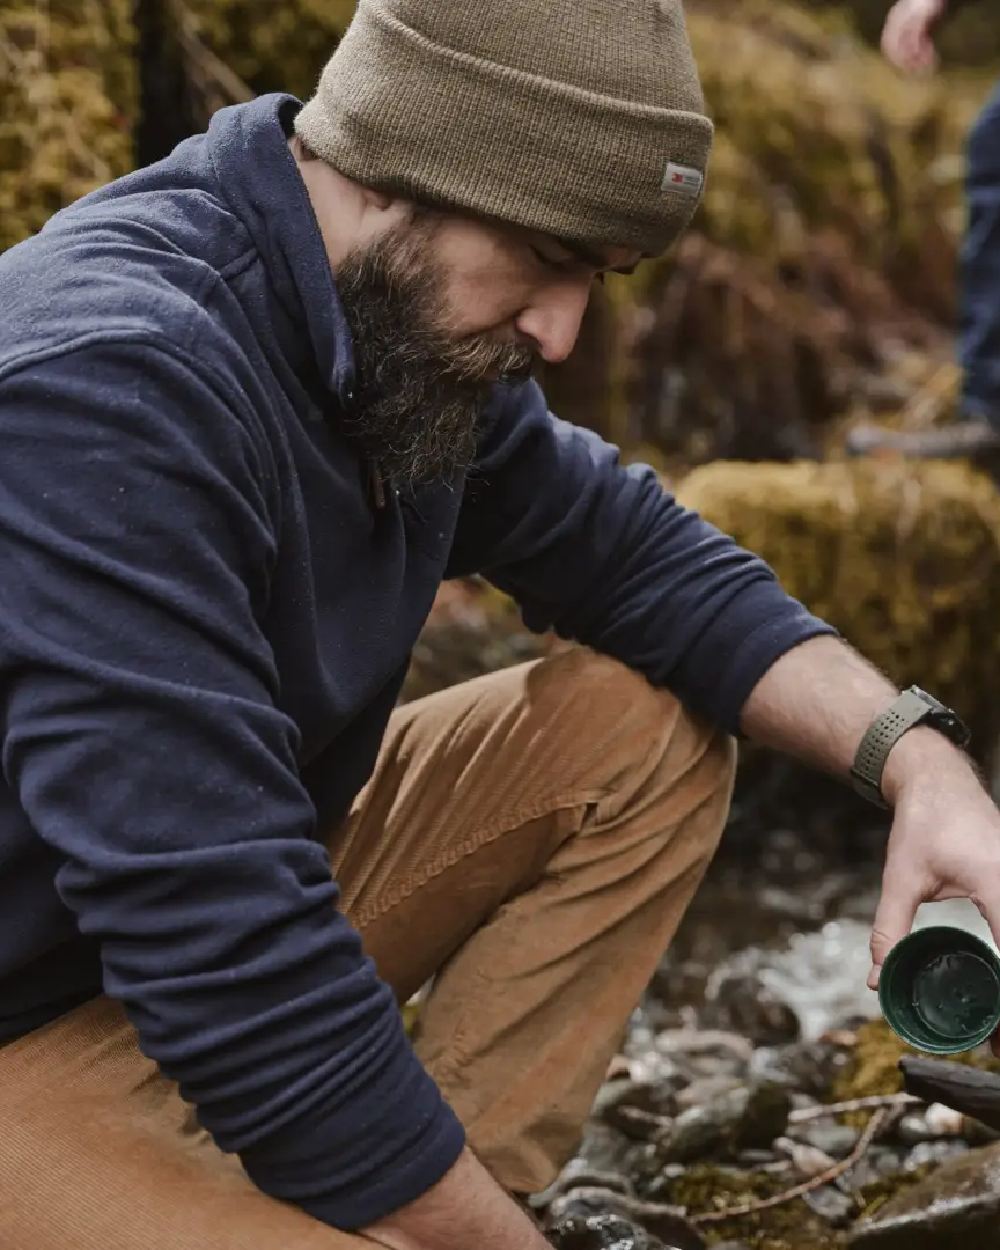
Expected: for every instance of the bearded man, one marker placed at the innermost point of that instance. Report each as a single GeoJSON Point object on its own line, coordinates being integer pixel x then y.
{"type": "Point", "coordinates": [256, 402]}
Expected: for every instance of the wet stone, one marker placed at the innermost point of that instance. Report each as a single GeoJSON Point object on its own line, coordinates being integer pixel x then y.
{"type": "Point", "coordinates": [755, 1159]}
{"type": "Point", "coordinates": [595, 1220]}
{"type": "Point", "coordinates": [955, 1207]}
{"type": "Point", "coordinates": [747, 1118]}
{"type": "Point", "coordinates": [578, 1172]}
{"type": "Point", "coordinates": [836, 1140]}
{"type": "Point", "coordinates": [737, 998]}
{"type": "Point", "coordinates": [604, 1148]}
{"type": "Point", "coordinates": [875, 1165]}
{"type": "Point", "coordinates": [705, 1089]}
{"type": "Point", "coordinates": [831, 1204]}
{"type": "Point", "coordinates": [810, 1067]}
{"type": "Point", "coordinates": [935, 1152]}
{"type": "Point", "coordinates": [632, 1107]}
{"type": "Point", "coordinates": [599, 1232]}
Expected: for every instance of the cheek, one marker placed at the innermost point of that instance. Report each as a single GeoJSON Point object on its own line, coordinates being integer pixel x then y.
{"type": "Point", "coordinates": [485, 299]}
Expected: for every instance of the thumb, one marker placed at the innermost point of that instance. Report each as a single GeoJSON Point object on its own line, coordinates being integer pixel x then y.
{"type": "Point", "coordinates": [893, 920]}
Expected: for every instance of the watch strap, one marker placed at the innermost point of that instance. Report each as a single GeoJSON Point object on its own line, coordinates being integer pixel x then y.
{"type": "Point", "coordinates": [880, 737]}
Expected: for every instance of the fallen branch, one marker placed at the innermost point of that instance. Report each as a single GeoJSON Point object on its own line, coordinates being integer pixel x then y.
{"type": "Point", "coordinates": [871, 1103]}
{"type": "Point", "coordinates": [873, 1127]}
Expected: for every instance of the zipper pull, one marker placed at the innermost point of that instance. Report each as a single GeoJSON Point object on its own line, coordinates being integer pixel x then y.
{"type": "Point", "coordinates": [376, 484]}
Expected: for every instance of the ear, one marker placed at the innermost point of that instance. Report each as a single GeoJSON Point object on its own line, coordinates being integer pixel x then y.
{"type": "Point", "coordinates": [302, 154]}
{"type": "Point", "coordinates": [382, 201]}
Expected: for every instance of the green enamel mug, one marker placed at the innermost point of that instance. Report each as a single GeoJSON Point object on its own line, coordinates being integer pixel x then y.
{"type": "Point", "coordinates": [939, 990]}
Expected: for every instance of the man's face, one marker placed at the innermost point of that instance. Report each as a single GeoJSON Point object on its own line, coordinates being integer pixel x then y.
{"type": "Point", "coordinates": [441, 308]}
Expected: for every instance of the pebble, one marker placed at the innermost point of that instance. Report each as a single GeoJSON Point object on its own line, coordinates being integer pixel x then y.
{"type": "Point", "coordinates": [832, 1205]}
{"type": "Point", "coordinates": [836, 1140]}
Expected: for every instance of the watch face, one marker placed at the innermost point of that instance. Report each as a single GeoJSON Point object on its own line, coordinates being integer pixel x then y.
{"type": "Point", "coordinates": [943, 718]}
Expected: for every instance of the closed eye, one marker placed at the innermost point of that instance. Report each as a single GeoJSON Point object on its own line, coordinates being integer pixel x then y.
{"type": "Point", "coordinates": [564, 264]}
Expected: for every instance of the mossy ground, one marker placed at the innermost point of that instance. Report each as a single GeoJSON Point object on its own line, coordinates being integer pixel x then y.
{"type": "Point", "coordinates": [790, 1226]}
{"type": "Point", "coordinates": [68, 100]}
{"type": "Point", "coordinates": [874, 1066]}
{"type": "Point", "coordinates": [904, 559]}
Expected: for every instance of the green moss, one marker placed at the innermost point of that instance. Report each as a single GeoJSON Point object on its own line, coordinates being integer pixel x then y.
{"type": "Point", "coordinates": [903, 558]}
{"type": "Point", "coordinates": [874, 1065]}
{"type": "Point", "coordinates": [68, 101]}
{"type": "Point", "coordinates": [274, 47]}
{"type": "Point", "coordinates": [789, 1226]}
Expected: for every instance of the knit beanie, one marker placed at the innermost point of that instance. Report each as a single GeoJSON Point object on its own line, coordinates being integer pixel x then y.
{"type": "Point", "coordinates": [582, 119]}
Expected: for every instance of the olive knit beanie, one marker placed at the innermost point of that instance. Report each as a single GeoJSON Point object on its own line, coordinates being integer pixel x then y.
{"type": "Point", "coordinates": [580, 118]}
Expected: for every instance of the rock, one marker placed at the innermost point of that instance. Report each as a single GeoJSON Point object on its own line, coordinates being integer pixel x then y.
{"type": "Point", "coordinates": [578, 1173]}
{"type": "Point", "coordinates": [765, 1116]}
{"type": "Point", "coordinates": [746, 1118]}
{"type": "Point", "coordinates": [590, 1219]}
{"type": "Point", "coordinates": [603, 1148]}
{"type": "Point", "coordinates": [928, 1125]}
{"type": "Point", "coordinates": [944, 1121]}
{"type": "Point", "coordinates": [737, 999]}
{"type": "Point", "coordinates": [704, 1090]}
{"type": "Point", "coordinates": [935, 1152]}
{"type": "Point", "coordinates": [957, 1205]}
{"type": "Point", "coordinates": [836, 1140]}
{"type": "Point", "coordinates": [711, 1053]}
{"type": "Point", "coordinates": [635, 1108]}
{"type": "Point", "coordinates": [811, 1067]}
{"type": "Point", "coordinates": [758, 1160]}
{"type": "Point", "coordinates": [598, 1232]}
{"type": "Point", "coordinates": [807, 1160]}
{"type": "Point", "coordinates": [831, 1204]}
{"type": "Point", "coordinates": [876, 1164]}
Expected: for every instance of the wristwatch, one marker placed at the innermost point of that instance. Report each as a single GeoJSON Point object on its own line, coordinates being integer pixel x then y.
{"type": "Point", "coordinates": [913, 707]}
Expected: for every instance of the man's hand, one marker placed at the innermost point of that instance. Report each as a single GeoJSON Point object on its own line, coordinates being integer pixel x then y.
{"type": "Point", "coordinates": [945, 840]}
{"type": "Point", "coordinates": [815, 703]}
{"type": "Point", "coordinates": [907, 37]}
{"type": "Point", "coordinates": [465, 1209]}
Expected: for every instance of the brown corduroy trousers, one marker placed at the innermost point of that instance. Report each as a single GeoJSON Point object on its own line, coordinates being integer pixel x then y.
{"type": "Point", "coordinates": [529, 839]}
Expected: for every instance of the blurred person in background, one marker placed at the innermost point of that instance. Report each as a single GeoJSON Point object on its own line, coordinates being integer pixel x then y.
{"type": "Point", "coordinates": [256, 402]}
{"type": "Point", "coordinates": [908, 42]}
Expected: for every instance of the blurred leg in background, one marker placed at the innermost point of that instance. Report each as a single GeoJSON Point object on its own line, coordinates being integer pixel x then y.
{"type": "Point", "coordinates": [980, 306]}
{"type": "Point", "coordinates": [975, 433]}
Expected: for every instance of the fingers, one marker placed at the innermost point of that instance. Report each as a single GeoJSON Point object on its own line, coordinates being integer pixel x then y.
{"type": "Point", "coordinates": [893, 920]}
{"type": "Point", "coordinates": [906, 39]}
{"type": "Point", "coordinates": [989, 909]}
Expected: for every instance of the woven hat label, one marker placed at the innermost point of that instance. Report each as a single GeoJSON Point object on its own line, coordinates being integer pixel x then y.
{"type": "Point", "coordinates": [683, 180]}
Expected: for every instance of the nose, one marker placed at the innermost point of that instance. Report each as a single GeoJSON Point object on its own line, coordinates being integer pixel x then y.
{"type": "Point", "coordinates": [552, 319]}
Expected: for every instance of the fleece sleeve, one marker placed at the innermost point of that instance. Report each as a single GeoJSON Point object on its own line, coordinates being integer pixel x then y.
{"type": "Point", "coordinates": [142, 733]}
{"type": "Point", "coordinates": [604, 555]}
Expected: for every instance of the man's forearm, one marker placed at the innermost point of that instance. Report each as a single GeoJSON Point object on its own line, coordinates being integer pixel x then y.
{"type": "Point", "coordinates": [816, 702]}
{"type": "Point", "coordinates": [465, 1208]}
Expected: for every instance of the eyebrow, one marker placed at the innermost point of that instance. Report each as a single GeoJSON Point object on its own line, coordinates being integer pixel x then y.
{"type": "Point", "coordinates": [592, 257]}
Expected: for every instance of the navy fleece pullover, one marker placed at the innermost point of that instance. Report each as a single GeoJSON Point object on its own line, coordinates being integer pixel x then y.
{"type": "Point", "coordinates": [204, 626]}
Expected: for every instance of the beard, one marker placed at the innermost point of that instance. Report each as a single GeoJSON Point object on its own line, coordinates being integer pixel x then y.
{"type": "Point", "coordinates": [420, 393]}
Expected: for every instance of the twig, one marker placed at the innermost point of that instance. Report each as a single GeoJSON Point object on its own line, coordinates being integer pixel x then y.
{"type": "Point", "coordinates": [871, 1103]}
{"type": "Point", "coordinates": [824, 1178]}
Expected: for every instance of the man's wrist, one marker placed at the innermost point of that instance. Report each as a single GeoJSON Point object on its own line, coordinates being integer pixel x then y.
{"type": "Point", "coordinates": [919, 758]}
